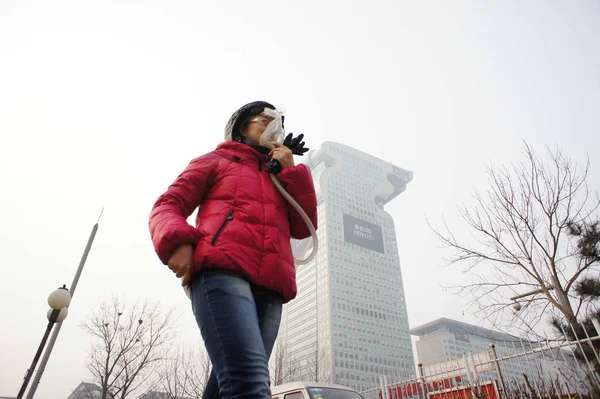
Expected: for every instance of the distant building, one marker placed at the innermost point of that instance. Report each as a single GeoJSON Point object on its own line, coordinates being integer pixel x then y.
{"type": "Point", "coordinates": [159, 395]}
{"type": "Point", "coordinates": [87, 390]}
{"type": "Point", "coordinates": [349, 321]}
{"type": "Point", "coordinates": [444, 341]}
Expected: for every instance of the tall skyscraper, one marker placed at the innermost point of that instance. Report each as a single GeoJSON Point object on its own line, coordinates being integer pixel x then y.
{"type": "Point", "coordinates": [349, 322]}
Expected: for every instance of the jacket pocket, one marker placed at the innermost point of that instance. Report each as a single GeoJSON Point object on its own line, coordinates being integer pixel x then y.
{"type": "Point", "coordinates": [228, 219]}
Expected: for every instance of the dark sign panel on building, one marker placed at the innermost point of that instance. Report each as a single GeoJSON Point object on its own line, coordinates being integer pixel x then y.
{"type": "Point", "coordinates": [461, 336]}
{"type": "Point", "coordinates": [364, 234]}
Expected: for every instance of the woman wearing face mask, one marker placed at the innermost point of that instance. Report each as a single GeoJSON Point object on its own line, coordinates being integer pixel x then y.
{"type": "Point", "coordinates": [237, 261]}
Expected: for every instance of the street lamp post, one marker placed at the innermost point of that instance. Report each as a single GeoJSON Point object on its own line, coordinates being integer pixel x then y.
{"type": "Point", "coordinates": [38, 375]}
{"type": "Point", "coordinates": [59, 301]}
{"type": "Point", "coordinates": [517, 305]}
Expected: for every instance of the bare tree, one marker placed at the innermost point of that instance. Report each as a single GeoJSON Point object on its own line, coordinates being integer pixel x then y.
{"type": "Point", "coordinates": [318, 367]}
{"type": "Point", "coordinates": [278, 364]}
{"type": "Point", "coordinates": [283, 366]}
{"type": "Point", "coordinates": [184, 373]}
{"type": "Point", "coordinates": [127, 342]}
{"type": "Point", "coordinates": [306, 365]}
{"type": "Point", "coordinates": [520, 240]}
{"type": "Point", "coordinates": [587, 290]}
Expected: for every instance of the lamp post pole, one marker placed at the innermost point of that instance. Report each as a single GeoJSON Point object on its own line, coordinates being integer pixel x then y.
{"type": "Point", "coordinates": [59, 301]}
{"type": "Point", "coordinates": [38, 375]}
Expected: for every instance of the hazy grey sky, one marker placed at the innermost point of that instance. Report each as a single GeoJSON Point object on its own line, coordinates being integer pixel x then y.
{"type": "Point", "coordinates": [103, 103]}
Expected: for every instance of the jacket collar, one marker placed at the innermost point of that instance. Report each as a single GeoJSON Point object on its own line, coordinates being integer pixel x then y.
{"type": "Point", "coordinates": [233, 149]}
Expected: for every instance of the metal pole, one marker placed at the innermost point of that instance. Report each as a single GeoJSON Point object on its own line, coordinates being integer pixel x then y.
{"type": "Point", "coordinates": [497, 366]}
{"type": "Point", "coordinates": [469, 376]}
{"type": "Point", "coordinates": [596, 325]}
{"type": "Point", "coordinates": [440, 379]}
{"type": "Point", "coordinates": [527, 360]}
{"type": "Point", "coordinates": [383, 387]}
{"type": "Point", "coordinates": [422, 378]}
{"type": "Point", "coordinates": [38, 375]}
{"type": "Point", "coordinates": [538, 291]}
{"type": "Point", "coordinates": [523, 374]}
{"type": "Point", "coordinates": [567, 363]}
{"type": "Point", "coordinates": [544, 358]}
{"type": "Point", "coordinates": [590, 343]}
{"type": "Point", "coordinates": [539, 369]}
{"type": "Point", "coordinates": [578, 340]}
{"type": "Point", "coordinates": [562, 297]}
{"type": "Point", "coordinates": [53, 317]}
{"type": "Point", "coordinates": [475, 375]}
{"type": "Point", "coordinates": [557, 367]}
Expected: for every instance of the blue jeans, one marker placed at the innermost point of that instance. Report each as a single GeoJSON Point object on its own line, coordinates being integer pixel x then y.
{"type": "Point", "coordinates": [239, 323]}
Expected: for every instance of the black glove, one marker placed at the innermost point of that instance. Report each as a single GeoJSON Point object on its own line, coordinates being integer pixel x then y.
{"type": "Point", "coordinates": [296, 145]}
{"type": "Point", "coordinates": [273, 166]}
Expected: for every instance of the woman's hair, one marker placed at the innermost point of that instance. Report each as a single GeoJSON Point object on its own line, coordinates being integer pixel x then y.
{"type": "Point", "coordinates": [239, 120]}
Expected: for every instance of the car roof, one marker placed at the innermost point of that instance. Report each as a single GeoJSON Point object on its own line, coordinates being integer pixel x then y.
{"type": "Point", "coordinates": [305, 384]}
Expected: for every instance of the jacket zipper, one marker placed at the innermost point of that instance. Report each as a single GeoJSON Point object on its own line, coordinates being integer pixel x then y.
{"type": "Point", "coordinates": [218, 233]}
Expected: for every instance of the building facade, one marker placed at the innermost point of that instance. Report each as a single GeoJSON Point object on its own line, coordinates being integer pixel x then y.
{"type": "Point", "coordinates": [444, 343]}
{"type": "Point", "coordinates": [349, 322]}
{"type": "Point", "coordinates": [88, 390]}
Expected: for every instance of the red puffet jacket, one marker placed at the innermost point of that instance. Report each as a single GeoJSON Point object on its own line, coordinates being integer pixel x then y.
{"type": "Point", "coordinates": [244, 224]}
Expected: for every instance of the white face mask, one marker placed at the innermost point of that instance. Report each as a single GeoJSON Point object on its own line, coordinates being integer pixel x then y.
{"type": "Point", "coordinates": [274, 130]}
